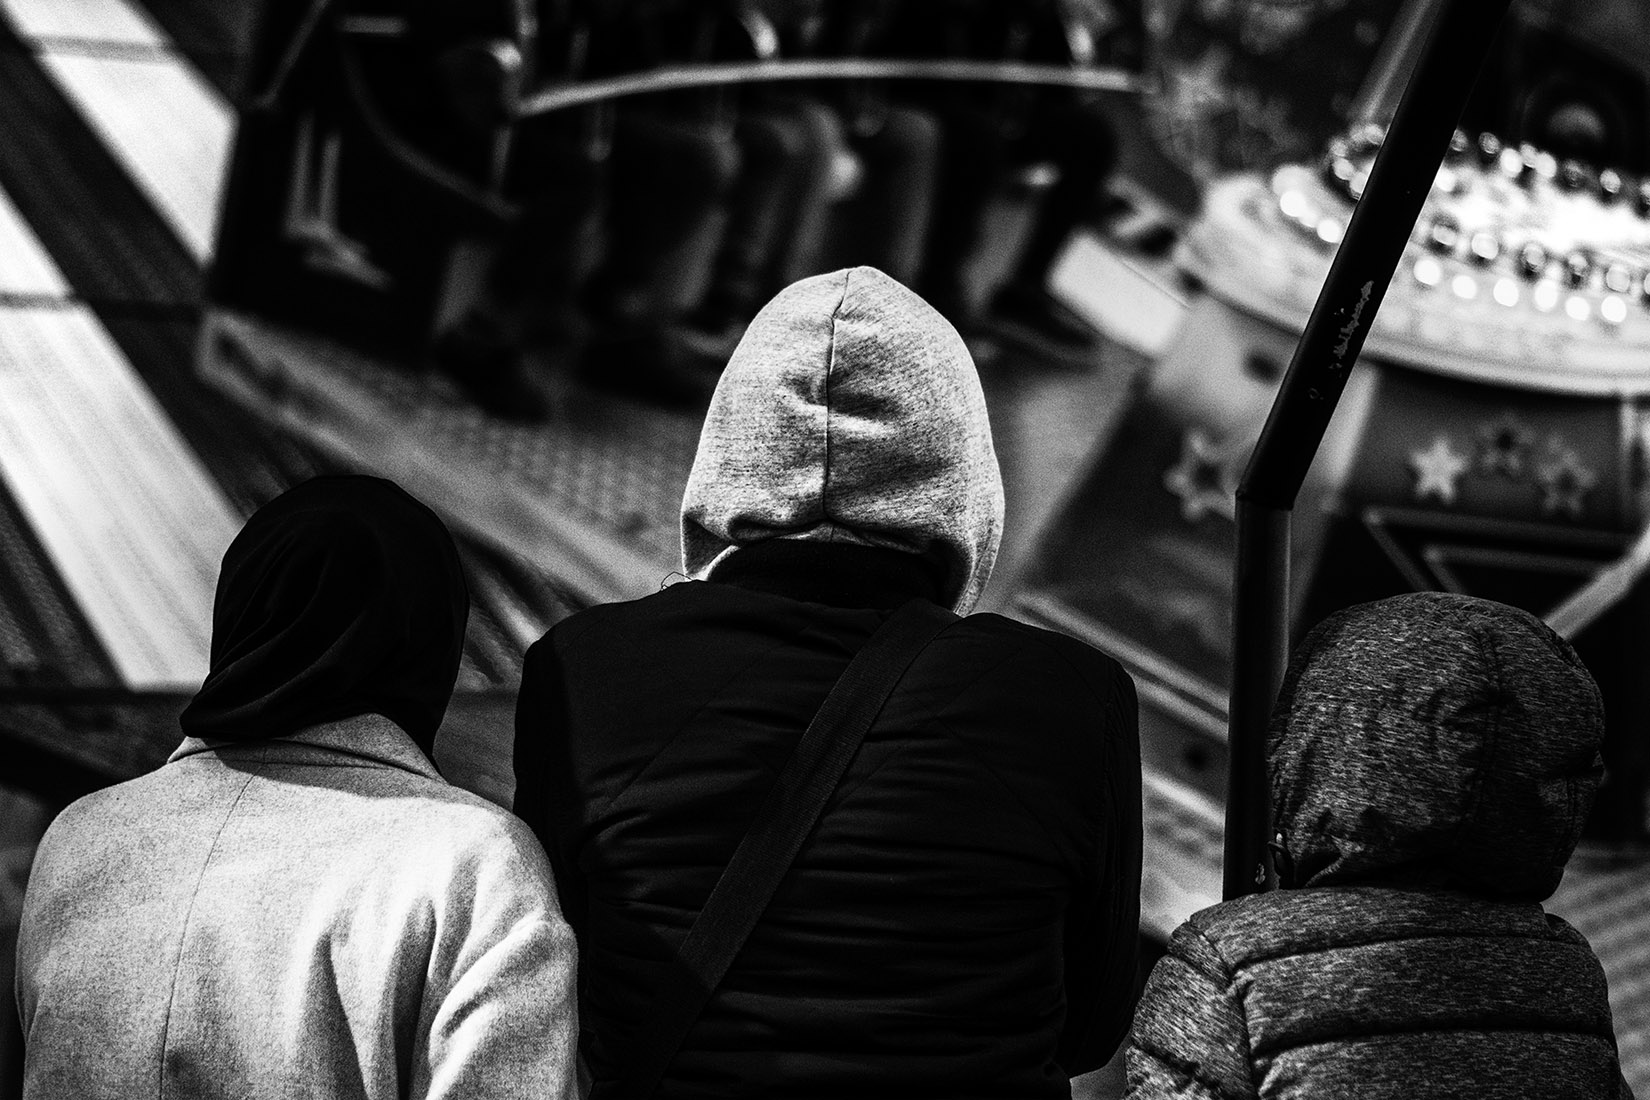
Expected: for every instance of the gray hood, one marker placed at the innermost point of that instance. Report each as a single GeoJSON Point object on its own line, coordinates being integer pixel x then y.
{"type": "Point", "coordinates": [850, 412]}
{"type": "Point", "coordinates": [1437, 740]}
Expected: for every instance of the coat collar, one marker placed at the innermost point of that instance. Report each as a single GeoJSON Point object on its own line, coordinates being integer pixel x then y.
{"type": "Point", "coordinates": [839, 574]}
{"type": "Point", "coordinates": [366, 737]}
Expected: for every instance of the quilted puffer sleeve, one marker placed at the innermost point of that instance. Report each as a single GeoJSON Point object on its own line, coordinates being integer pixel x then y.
{"type": "Point", "coordinates": [1190, 1038]}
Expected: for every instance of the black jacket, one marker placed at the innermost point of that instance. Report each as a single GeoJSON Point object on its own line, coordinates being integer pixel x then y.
{"type": "Point", "coordinates": [962, 921]}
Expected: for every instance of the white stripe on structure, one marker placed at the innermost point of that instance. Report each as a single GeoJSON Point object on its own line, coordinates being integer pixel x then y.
{"type": "Point", "coordinates": [92, 20]}
{"type": "Point", "coordinates": [24, 266]}
{"type": "Point", "coordinates": [165, 123]}
{"type": "Point", "coordinates": [133, 522]}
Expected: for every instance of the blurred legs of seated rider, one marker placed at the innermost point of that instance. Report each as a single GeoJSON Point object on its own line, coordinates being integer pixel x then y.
{"type": "Point", "coordinates": [979, 148]}
{"type": "Point", "coordinates": [774, 212]}
{"type": "Point", "coordinates": [884, 221]}
{"type": "Point", "coordinates": [523, 316]}
{"type": "Point", "coordinates": [670, 174]}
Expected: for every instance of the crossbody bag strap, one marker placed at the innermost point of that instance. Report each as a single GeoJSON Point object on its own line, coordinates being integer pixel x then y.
{"type": "Point", "coordinates": [783, 822]}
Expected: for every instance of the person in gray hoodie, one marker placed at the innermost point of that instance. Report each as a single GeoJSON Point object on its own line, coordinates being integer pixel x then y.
{"type": "Point", "coordinates": [1432, 758]}
{"type": "Point", "coordinates": [962, 920]}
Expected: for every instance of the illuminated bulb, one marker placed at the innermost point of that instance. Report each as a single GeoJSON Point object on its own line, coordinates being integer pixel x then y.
{"type": "Point", "coordinates": [1511, 162]}
{"type": "Point", "coordinates": [1576, 306]}
{"type": "Point", "coordinates": [1446, 180]}
{"type": "Point", "coordinates": [1506, 292]}
{"type": "Point", "coordinates": [1465, 286]}
{"type": "Point", "coordinates": [1613, 310]}
{"type": "Point", "coordinates": [1429, 272]}
{"type": "Point", "coordinates": [1294, 204]}
{"type": "Point", "coordinates": [1545, 165]}
{"type": "Point", "coordinates": [1443, 236]}
{"type": "Point", "coordinates": [1330, 230]}
{"type": "Point", "coordinates": [1545, 295]}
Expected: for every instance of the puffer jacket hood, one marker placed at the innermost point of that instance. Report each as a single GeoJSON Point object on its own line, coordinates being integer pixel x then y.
{"type": "Point", "coordinates": [850, 412]}
{"type": "Point", "coordinates": [1438, 740]}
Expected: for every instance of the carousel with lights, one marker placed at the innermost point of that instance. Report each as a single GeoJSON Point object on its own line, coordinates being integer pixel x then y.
{"type": "Point", "coordinates": [1493, 439]}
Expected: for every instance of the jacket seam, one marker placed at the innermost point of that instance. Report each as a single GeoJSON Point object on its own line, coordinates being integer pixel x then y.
{"type": "Point", "coordinates": [597, 812]}
{"type": "Point", "coordinates": [1493, 743]}
{"type": "Point", "coordinates": [1225, 979]}
{"type": "Point", "coordinates": [183, 934]}
{"type": "Point", "coordinates": [1364, 1032]}
{"type": "Point", "coordinates": [1381, 937]}
{"type": "Point", "coordinates": [1192, 1070]}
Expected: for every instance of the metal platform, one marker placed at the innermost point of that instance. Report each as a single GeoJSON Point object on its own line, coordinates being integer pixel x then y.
{"type": "Point", "coordinates": [590, 498]}
{"type": "Point", "coordinates": [122, 476]}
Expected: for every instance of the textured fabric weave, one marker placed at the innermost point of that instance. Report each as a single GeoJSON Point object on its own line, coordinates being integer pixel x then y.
{"type": "Point", "coordinates": [850, 412]}
{"type": "Point", "coordinates": [315, 916]}
{"type": "Point", "coordinates": [1432, 759]}
{"type": "Point", "coordinates": [1435, 740]}
{"type": "Point", "coordinates": [1377, 993]}
{"type": "Point", "coordinates": [961, 922]}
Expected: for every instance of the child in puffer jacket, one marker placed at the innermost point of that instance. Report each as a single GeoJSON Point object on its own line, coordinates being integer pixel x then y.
{"type": "Point", "coordinates": [1432, 758]}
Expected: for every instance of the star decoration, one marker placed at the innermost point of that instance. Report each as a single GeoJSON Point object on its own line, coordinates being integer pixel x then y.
{"type": "Point", "coordinates": [1437, 469]}
{"type": "Point", "coordinates": [1195, 93]}
{"type": "Point", "coordinates": [1200, 478]}
{"type": "Point", "coordinates": [1564, 479]}
{"type": "Point", "coordinates": [1504, 447]}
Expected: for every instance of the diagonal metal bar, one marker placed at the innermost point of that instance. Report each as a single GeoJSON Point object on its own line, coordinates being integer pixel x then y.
{"type": "Point", "coordinates": [1403, 172]}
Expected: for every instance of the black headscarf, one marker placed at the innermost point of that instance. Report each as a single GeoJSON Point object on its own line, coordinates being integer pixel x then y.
{"type": "Point", "coordinates": [342, 596]}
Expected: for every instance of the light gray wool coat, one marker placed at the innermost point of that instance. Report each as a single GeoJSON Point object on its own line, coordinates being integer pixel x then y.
{"type": "Point", "coordinates": [313, 916]}
{"type": "Point", "coordinates": [850, 412]}
{"type": "Point", "coordinates": [1432, 760]}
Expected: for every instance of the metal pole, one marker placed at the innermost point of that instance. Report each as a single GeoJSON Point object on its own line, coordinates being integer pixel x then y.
{"type": "Point", "coordinates": [1375, 237]}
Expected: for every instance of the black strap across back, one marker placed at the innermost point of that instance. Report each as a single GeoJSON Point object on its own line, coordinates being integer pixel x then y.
{"type": "Point", "coordinates": [783, 822]}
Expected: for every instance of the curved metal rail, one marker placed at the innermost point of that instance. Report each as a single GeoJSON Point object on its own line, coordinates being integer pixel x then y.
{"type": "Point", "coordinates": [850, 68]}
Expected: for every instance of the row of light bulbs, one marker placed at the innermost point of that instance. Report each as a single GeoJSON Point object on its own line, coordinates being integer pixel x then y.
{"type": "Point", "coordinates": [1609, 287]}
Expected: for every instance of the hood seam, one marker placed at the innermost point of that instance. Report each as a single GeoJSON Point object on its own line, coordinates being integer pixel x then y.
{"type": "Point", "coordinates": [1493, 742]}
{"type": "Point", "coordinates": [830, 365]}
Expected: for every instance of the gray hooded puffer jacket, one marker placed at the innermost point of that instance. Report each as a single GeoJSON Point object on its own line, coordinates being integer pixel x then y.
{"type": "Point", "coordinates": [1432, 759]}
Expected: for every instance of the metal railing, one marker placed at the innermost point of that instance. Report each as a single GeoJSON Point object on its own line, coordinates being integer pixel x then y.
{"type": "Point", "coordinates": [1403, 172]}
{"type": "Point", "coordinates": [683, 77]}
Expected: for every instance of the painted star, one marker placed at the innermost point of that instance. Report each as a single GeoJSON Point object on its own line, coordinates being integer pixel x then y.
{"type": "Point", "coordinates": [1504, 446]}
{"type": "Point", "coordinates": [1437, 469]}
{"type": "Point", "coordinates": [1565, 481]}
{"type": "Point", "coordinates": [1200, 478]}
